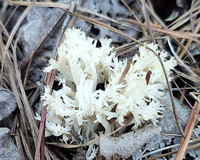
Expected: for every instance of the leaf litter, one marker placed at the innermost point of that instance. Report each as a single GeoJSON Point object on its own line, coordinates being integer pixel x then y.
{"type": "Point", "coordinates": [158, 34]}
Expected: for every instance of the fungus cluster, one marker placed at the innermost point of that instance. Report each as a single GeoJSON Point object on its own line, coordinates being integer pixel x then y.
{"type": "Point", "coordinates": [81, 106]}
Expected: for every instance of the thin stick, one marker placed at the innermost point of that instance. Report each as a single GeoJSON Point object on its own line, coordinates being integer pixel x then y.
{"type": "Point", "coordinates": [170, 93]}
{"type": "Point", "coordinates": [19, 143]}
{"type": "Point", "coordinates": [73, 19]}
{"type": "Point", "coordinates": [24, 14]}
{"type": "Point", "coordinates": [134, 15]}
{"type": "Point", "coordinates": [26, 147]}
{"type": "Point", "coordinates": [93, 21]}
{"type": "Point", "coordinates": [180, 90]}
{"type": "Point", "coordinates": [50, 81]}
{"type": "Point", "coordinates": [14, 88]}
{"type": "Point", "coordinates": [147, 20]}
{"type": "Point", "coordinates": [40, 134]}
{"type": "Point", "coordinates": [28, 62]}
{"type": "Point", "coordinates": [40, 4]}
{"type": "Point", "coordinates": [125, 72]}
{"type": "Point", "coordinates": [195, 146]}
{"type": "Point", "coordinates": [172, 101]}
{"type": "Point", "coordinates": [178, 34]}
{"type": "Point", "coordinates": [189, 42]}
{"type": "Point", "coordinates": [188, 131]}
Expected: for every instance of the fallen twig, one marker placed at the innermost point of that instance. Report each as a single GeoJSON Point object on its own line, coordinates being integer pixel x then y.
{"type": "Point", "coordinates": [188, 131]}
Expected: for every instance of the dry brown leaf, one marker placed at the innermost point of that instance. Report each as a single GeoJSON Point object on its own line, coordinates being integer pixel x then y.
{"type": "Point", "coordinates": [127, 144]}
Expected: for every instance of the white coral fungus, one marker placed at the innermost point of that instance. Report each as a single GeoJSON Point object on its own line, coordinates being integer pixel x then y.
{"type": "Point", "coordinates": [79, 106]}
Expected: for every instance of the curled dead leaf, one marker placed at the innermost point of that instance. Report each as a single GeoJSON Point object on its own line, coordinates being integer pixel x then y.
{"type": "Point", "coordinates": [127, 144]}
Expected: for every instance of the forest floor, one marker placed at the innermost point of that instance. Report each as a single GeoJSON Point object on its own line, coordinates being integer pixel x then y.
{"type": "Point", "coordinates": [31, 32]}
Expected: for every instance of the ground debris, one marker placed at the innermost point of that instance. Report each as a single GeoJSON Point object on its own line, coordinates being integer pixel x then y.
{"type": "Point", "coordinates": [127, 144]}
{"type": "Point", "coordinates": [7, 148]}
{"type": "Point", "coordinates": [7, 103]}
